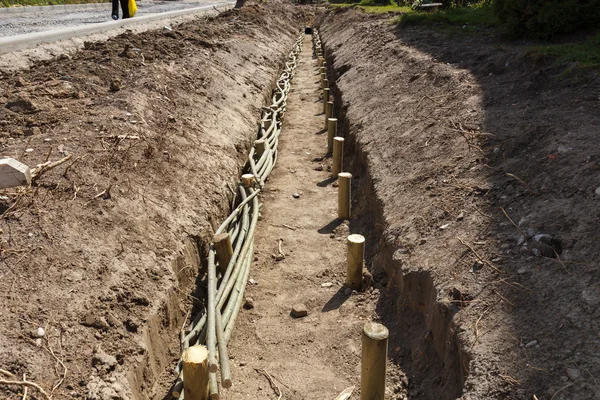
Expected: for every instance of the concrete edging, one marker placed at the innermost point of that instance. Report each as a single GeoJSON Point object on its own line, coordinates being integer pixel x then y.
{"type": "Point", "coordinates": [28, 40]}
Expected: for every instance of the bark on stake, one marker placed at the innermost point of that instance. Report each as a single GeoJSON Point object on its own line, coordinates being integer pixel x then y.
{"type": "Point", "coordinates": [338, 156]}
{"type": "Point", "coordinates": [325, 99]}
{"type": "Point", "coordinates": [331, 133]}
{"type": "Point", "coordinates": [321, 59]}
{"type": "Point", "coordinates": [374, 353]}
{"type": "Point", "coordinates": [355, 261]}
{"type": "Point", "coordinates": [328, 112]}
{"type": "Point", "coordinates": [344, 185]}
{"type": "Point", "coordinates": [248, 180]}
{"type": "Point", "coordinates": [195, 373]}
{"type": "Point", "coordinates": [224, 250]}
{"type": "Point", "coordinates": [323, 80]}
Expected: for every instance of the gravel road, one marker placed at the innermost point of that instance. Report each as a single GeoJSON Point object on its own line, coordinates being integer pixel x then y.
{"type": "Point", "coordinates": [37, 21]}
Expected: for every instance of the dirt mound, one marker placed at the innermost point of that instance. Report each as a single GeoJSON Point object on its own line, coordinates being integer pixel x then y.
{"type": "Point", "coordinates": [484, 165]}
{"type": "Point", "coordinates": [101, 250]}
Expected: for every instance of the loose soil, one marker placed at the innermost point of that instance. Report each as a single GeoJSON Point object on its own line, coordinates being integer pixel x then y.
{"type": "Point", "coordinates": [478, 168]}
{"type": "Point", "coordinates": [102, 251]}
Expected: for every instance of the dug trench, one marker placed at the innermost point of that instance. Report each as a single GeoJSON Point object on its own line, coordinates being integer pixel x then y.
{"type": "Point", "coordinates": [476, 187]}
{"type": "Point", "coordinates": [100, 255]}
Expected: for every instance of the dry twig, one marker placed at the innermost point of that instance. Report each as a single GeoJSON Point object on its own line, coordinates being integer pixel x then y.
{"type": "Point", "coordinates": [513, 222]}
{"type": "Point", "coordinates": [274, 386]}
{"type": "Point", "coordinates": [48, 165]}
{"type": "Point", "coordinates": [478, 256]}
{"type": "Point", "coordinates": [25, 383]}
{"type": "Point", "coordinates": [561, 389]}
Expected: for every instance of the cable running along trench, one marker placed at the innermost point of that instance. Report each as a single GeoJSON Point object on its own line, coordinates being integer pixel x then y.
{"type": "Point", "coordinates": [226, 284]}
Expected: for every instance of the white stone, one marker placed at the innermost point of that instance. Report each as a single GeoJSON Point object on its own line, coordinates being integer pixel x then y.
{"type": "Point", "coordinates": [13, 173]}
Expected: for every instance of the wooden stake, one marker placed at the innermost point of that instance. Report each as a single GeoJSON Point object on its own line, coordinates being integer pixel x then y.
{"type": "Point", "coordinates": [325, 83]}
{"type": "Point", "coordinates": [374, 354]}
{"type": "Point", "coordinates": [323, 80]}
{"type": "Point", "coordinates": [344, 190]}
{"type": "Point", "coordinates": [338, 156]}
{"type": "Point", "coordinates": [328, 112]}
{"type": "Point", "coordinates": [320, 62]}
{"type": "Point", "coordinates": [195, 373]}
{"type": "Point", "coordinates": [325, 99]}
{"type": "Point", "coordinates": [331, 133]}
{"type": "Point", "coordinates": [259, 146]}
{"type": "Point", "coordinates": [248, 180]}
{"type": "Point", "coordinates": [355, 260]}
{"type": "Point", "coordinates": [224, 250]}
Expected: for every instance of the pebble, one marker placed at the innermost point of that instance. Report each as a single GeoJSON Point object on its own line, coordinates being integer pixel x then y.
{"type": "Point", "coordinates": [597, 191]}
{"type": "Point", "coordinates": [249, 304]}
{"type": "Point", "coordinates": [445, 226]}
{"type": "Point", "coordinates": [326, 285]}
{"type": "Point", "coordinates": [522, 271]}
{"type": "Point", "coordinates": [296, 195]}
{"type": "Point", "coordinates": [299, 310]}
{"type": "Point", "coordinates": [531, 344]}
{"type": "Point", "coordinates": [573, 374]}
{"type": "Point", "coordinates": [252, 281]}
{"type": "Point", "coordinates": [319, 168]}
{"type": "Point", "coordinates": [40, 332]}
{"type": "Point", "coordinates": [460, 217]}
{"type": "Point", "coordinates": [591, 296]}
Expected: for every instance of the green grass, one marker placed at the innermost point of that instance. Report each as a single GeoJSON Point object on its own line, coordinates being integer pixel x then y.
{"type": "Point", "coordinates": [371, 7]}
{"type": "Point", "coordinates": [19, 3]}
{"type": "Point", "coordinates": [585, 53]}
{"type": "Point", "coordinates": [468, 18]}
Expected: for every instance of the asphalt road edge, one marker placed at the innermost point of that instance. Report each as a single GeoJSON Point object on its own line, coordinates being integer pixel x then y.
{"type": "Point", "coordinates": [30, 40]}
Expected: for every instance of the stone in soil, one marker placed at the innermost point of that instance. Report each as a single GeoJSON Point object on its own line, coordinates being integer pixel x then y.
{"type": "Point", "coordinates": [299, 310]}
{"type": "Point", "coordinates": [249, 304]}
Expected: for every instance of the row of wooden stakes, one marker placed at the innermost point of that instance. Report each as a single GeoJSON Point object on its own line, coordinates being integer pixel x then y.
{"type": "Point", "coordinates": [374, 335]}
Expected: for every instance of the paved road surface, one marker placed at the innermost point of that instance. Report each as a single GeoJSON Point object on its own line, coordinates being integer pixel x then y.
{"type": "Point", "coordinates": [36, 21]}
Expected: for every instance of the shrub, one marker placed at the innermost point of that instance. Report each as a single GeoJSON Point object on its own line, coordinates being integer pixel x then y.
{"type": "Point", "coordinates": [546, 18]}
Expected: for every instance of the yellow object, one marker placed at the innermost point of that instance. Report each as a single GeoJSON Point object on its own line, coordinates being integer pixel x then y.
{"type": "Point", "coordinates": [132, 8]}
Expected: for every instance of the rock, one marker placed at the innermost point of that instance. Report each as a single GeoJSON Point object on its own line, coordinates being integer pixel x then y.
{"type": "Point", "coordinates": [299, 310]}
{"type": "Point", "coordinates": [531, 344]}
{"type": "Point", "coordinates": [573, 374]}
{"type": "Point", "coordinates": [21, 82]}
{"type": "Point", "coordinates": [296, 195]}
{"type": "Point", "coordinates": [103, 361]}
{"type": "Point", "coordinates": [591, 296]}
{"type": "Point", "coordinates": [40, 332]}
{"type": "Point", "coordinates": [319, 168]}
{"type": "Point", "coordinates": [444, 227]}
{"type": "Point", "coordinates": [460, 217]}
{"type": "Point", "coordinates": [522, 271]}
{"type": "Point", "coordinates": [597, 191]}
{"type": "Point", "coordinates": [334, 184]}
{"type": "Point", "coordinates": [252, 281]}
{"type": "Point", "coordinates": [97, 389]}
{"type": "Point", "coordinates": [249, 303]}
{"type": "Point", "coordinates": [326, 285]}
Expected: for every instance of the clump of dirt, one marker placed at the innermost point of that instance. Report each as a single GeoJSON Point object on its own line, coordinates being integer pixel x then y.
{"type": "Point", "coordinates": [478, 174]}
{"type": "Point", "coordinates": [100, 251]}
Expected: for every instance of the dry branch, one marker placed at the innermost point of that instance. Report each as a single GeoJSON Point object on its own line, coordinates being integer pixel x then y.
{"type": "Point", "coordinates": [48, 165]}
{"type": "Point", "coordinates": [26, 383]}
{"type": "Point", "coordinates": [483, 260]}
{"type": "Point", "coordinates": [274, 386]}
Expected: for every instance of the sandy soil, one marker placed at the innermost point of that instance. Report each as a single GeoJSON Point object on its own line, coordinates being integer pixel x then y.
{"type": "Point", "coordinates": [449, 134]}
{"type": "Point", "coordinates": [101, 252]}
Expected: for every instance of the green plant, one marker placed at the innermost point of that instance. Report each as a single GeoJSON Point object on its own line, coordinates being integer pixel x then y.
{"type": "Point", "coordinates": [546, 18]}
